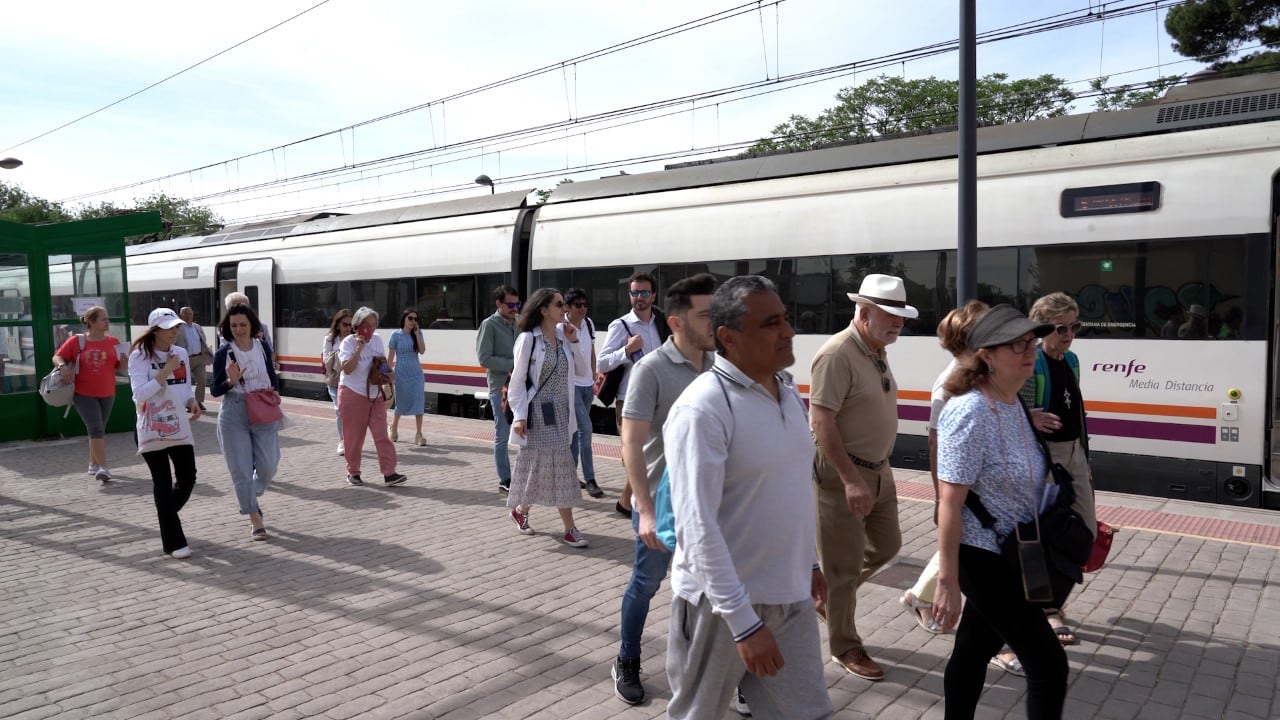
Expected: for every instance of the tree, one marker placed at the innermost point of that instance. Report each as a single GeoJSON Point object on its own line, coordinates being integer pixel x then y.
{"type": "Point", "coordinates": [890, 105]}
{"type": "Point", "coordinates": [1213, 30]}
{"type": "Point", "coordinates": [544, 194]}
{"type": "Point", "coordinates": [1122, 97]}
{"type": "Point", "coordinates": [19, 206]}
{"type": "Point", "coordinates": [180, 216]}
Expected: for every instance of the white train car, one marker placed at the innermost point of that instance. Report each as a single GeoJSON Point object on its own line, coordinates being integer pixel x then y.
{"type": "Point", "coordinates": [1142, 215]}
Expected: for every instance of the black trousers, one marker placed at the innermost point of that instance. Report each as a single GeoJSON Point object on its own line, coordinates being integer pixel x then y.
{"type": "Point", "coordinates": [997, 613]}
{"type": "Point", "coordinates": [170, 497]}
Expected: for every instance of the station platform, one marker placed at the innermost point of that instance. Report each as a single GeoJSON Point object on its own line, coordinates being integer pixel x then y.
{"type": "Point", "coordinates": [423, 601]}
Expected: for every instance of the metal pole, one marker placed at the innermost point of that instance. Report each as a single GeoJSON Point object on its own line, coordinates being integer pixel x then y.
{"type": "Point", "coordinates": [967, 197]}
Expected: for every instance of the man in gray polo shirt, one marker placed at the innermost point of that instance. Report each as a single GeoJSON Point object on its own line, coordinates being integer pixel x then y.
{"type": "Point", "coordinates": [656, 381]}
{"type": "Point", "coordinates": [745, 575]}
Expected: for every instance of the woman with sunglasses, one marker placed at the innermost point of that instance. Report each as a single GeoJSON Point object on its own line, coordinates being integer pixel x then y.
{"type": "Point", "coordinates": [403, 350]}
{"type": "Point", "coordinates": [541, 399]}
{"type": "Point", "coordinates": [339, 328]}
{"type": "Point", "coordinates": [988, 452]}
{"type": "Point", "coordinates": [1057, 412]}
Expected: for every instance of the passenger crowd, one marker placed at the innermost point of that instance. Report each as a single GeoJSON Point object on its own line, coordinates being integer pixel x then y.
{"type": "Point", "coordinates": [717, 443]}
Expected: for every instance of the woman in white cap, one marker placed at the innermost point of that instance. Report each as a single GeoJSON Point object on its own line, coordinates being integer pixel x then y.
{"type": "Point", "coordinates": [988, 453]}
{"type": "Point", "coordinates": [159, 374]}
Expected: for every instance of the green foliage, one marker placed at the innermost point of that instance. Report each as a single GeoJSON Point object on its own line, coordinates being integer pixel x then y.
{"type": "Point", "coordinates": [1122, 97]}
{"type": "Point", "coordinates": [19, 206]}
{"type": "Point", "coordinates": [1210, 30]}
{"type": "Point", "coordinates": [181, 217]}
{"type": "Point", "coordinates": [544, 194]}
{"type": "Point", "coordinates": [890, 105]}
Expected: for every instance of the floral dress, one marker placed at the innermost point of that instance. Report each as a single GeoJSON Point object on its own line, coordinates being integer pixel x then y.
{"type": "Point", "coordinates": [544, 473]}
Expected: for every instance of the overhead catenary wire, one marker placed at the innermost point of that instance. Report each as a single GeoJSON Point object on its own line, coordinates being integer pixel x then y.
{"type": "Point", "coordinates": [165, 79]}
{"type": "Point", "coordinates": [796, 80]}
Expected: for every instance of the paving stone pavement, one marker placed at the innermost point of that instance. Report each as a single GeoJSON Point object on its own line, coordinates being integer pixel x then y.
{"type": "Point", "coordinates": [422, 601]}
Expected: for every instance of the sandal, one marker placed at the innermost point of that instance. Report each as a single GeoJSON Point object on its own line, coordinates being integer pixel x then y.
{"type": "Point", "coordinates": [1013, 667]}
{"type": "Point", "coordinates": [1058, 622]}
{"type": "Point", "coordinates": [921, 611]}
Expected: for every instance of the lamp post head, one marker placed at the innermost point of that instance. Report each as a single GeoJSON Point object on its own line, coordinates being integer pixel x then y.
{"type": "Point", "coordinates": [485, 180]}
{"type": "Point", "coordinates": [10, 163]}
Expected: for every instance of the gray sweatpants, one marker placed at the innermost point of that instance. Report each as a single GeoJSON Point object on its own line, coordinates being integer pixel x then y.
{"type": "Point", "coordinates": [703, 665]}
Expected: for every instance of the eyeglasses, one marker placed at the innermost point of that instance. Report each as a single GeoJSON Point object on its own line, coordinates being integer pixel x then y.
{"type": "Point", "coordinates": [641, 293]}
{"type": "Point", "coordinates": [1073, 328]}
{"type": "Point", "coordinates": [579, 305]}
{"type": "Point", "coordinates": [514, 305]}
{"type": "Point", "coordinates": [1020, 346]}
{"type": "Point", "coordinates": [883, 367]}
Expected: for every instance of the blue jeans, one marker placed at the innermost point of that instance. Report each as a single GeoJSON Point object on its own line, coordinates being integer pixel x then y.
{"type": "Point", "coordinates": [651, 566]}
{"type": "Point", "coordinates": [333, 395]}
{"type": "Point", "coordinates": [252, 452]}
{"type": "Point", "coordinates": [501, 433]}
{"type": "Point", "coordinates": [580, 443]}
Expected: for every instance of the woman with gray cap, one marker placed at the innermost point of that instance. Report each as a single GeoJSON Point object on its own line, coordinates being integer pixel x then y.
{"type": "Point", "coordinates": [987, 447]}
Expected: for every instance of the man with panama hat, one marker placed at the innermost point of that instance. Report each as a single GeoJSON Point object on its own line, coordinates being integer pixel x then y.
{"type": "Point", "coordinates": [853, 413]}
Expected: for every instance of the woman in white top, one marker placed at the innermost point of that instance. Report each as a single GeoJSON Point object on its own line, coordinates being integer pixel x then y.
{"type": "Point", "coordinates": [584, 374]}
{"type": "Point", "coordinates": [339, 329]}
{"type": "Point", "coordinates": [361, 403]}
{"type": "Point", "coordinates": [159, 374]}
{"type": "Point", "coordinates": [540, 394]}
{"type": "Point", "coordinates": [252, 452]}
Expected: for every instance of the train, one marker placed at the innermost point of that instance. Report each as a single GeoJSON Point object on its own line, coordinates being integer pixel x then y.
{"type": "Point", "coordinates": [1143, 215]}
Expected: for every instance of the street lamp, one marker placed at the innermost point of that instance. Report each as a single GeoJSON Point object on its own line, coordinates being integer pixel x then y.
{"type": "Point", "coordinates": [482, 180]}
{"type": "Point", "coordinates": [10, 163]}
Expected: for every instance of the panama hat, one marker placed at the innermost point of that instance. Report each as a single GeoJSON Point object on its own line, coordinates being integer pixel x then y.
{"type": "Point", "coordinates": [887, 293]}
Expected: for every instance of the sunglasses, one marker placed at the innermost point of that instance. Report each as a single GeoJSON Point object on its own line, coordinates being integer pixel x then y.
{"type": "Point", "coordinates": [1020, 346]}
{"type": "Point", "coordinates": [345, 323]}
{"type": "Point", "coordinates": [413, 318]}
{"type": "Point", "coordinates": [1073, 328]}
{"type": "Point", "coordinates": [514, 305]}
{"type": "Point", "coordinates": [641, 293]}
{"type": "Point", "coordinates": [579, 304]}
{"type": "Point", "coordinates": [883, 367]}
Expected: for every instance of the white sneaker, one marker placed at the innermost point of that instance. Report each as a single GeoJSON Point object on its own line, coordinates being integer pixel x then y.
{"type": "Point", "coordinates": [103, 474]}
{"type": "Point", "coordinates": [93, 469]}
{"type": "Point", "coordinates": [182, 553]}
{"type": "Point", "coordinates": [341, 450]}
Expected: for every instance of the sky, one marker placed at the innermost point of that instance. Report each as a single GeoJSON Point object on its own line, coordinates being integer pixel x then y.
{"type": "Point", "coordinates": [228, 132]}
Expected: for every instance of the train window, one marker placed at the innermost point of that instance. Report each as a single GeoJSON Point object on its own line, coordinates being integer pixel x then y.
{"type": "Point", "coordinates": [811, 294]}
{"type": "Point", "coordinates": [606, 290]}
{"type": "Point", "coordinates": [311, 305]}
{"type": "Point", "coordinates": [447, 303]}
{"type": "Point", "coordinates": [78, 279]}
{"type": "Point", "coordinates": [919, 272]}
{"type": "Point", "coordinates": [15, 288]}
{"type": "Point", "coordinates": [1172, 289]}
{"type": "Point", "coordinates": [387, 297]}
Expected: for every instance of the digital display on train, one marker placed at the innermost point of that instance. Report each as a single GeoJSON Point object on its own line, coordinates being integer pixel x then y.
{"type": "Point", "coordinates": [1111, 199]}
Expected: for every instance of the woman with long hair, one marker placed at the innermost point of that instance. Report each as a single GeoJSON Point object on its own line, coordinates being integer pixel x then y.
{"type": "Point", "coordinates": [91, 360]}
{"type": "Point", "coordinates": [988, 453]}
{"type": "Point", "coordinates": [159, 374]}
{"type": "Point", "coordinates": [541, 398]}
{"type": "Point", "coordinates": [403, 349]}
{"type": "Point", "coordinates": [1057, 412]}
{"type": "Point", "coordinates": [339, 328]}
{"type": "Point", "coordinates": [240, 367]}
{"type": "Point", "coordinates": [361, 402]}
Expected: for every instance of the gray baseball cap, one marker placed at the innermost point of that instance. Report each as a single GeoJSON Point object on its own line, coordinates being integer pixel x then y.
{"type": "Point", "coordinates": [1001, 325]}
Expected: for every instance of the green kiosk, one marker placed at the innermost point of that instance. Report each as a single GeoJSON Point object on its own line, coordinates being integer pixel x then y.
{"type": "Point", "coordinates": [48, 275]}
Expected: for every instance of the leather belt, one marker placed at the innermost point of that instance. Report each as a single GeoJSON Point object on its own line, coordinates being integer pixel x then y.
{"type": "Point", "coordinates": [866, 463]}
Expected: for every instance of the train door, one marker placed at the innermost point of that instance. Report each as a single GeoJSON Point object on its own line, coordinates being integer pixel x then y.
{"type": "Point", "coordinates": [1271, 487]}
{"type": "Point", "coordinates": [254, 278]}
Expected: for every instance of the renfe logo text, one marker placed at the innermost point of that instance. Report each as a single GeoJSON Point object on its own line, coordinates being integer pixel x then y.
{"type": "Point", "coordinates": [1133, 367]}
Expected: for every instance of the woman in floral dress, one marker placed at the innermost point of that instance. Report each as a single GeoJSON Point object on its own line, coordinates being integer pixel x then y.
{"type": "Point", "coordinates": [541, 398]}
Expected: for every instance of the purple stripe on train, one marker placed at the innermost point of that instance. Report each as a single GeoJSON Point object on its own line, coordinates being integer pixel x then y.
{"type": "Point", "coordinates": [464, 380]}
{"type": "Point", "coordinates": [1145, 429]}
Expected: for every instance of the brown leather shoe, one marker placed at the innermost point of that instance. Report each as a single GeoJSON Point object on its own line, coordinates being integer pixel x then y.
{"type": "Point", "coordinates": [859, 663]}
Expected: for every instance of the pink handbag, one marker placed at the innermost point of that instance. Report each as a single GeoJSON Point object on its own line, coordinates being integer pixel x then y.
{"type": "Point", "coordinates": [264, 406]}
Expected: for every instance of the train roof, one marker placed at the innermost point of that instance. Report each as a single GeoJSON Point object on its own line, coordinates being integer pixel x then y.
{"type": "Point", "coordinates": [1191, 106]}
{"type": "Point", "coordinates": [325, 222]}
